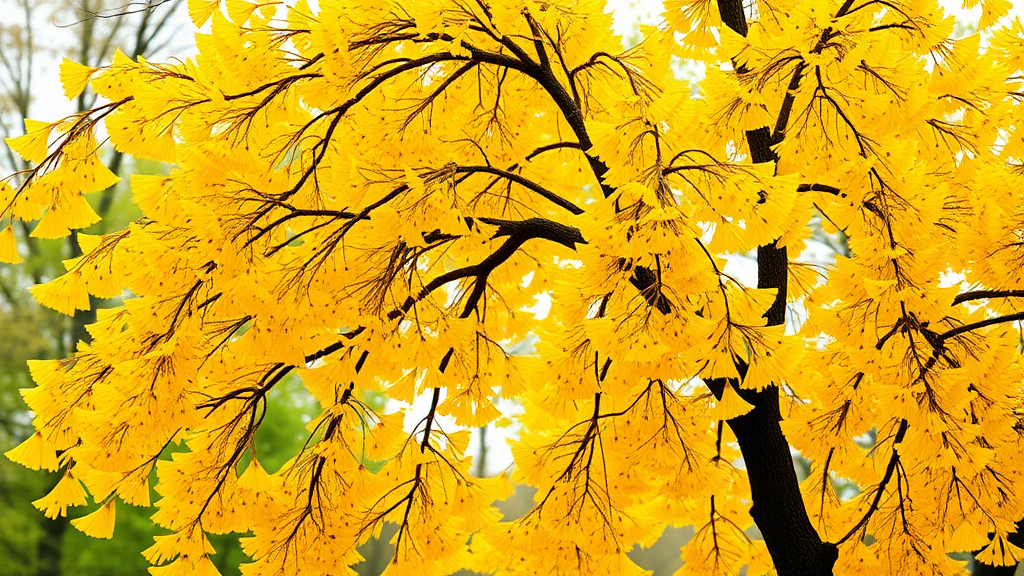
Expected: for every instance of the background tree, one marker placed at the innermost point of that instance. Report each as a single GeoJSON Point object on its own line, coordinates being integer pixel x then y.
{"type": "Point", "coordinates": [34, 36]}
{"type": "Point", "coordinates": [373, 195]}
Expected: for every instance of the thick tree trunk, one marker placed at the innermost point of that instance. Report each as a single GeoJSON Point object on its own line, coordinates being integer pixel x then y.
{"type": "Point", "coordinates": [778, 507]}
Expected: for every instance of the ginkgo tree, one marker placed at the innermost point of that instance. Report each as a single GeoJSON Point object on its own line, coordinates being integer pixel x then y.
{"type": "Point", "coordinates": [373, 194]}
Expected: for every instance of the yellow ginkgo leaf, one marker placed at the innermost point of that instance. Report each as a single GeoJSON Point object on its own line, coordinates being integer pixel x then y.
{"type": "Point", "coordinates": [721, 364]}
{"type": "Point", "coordinates": [9, 247]}
{"type": "Point", "coordinates": [730, 405]}
{"type": "Point", "coordinates": [135, 490]}
{"type": "Point", "coordinates": [204, 567]}
{"type": "Point", "coordinates": [993, 11]}
{"type": "Point", "coordinates": [179, 567]}
{"type": "Point", "coordinates": [99, 524]}
{"type": "Point", "coordinates": [78, 213]}
{"type": "Point", "coordinates": [32, 146]}
{"type": "Point", "coordinates": [132, 488]}
{"type": "Point", "coordinates": [68, 492]}
{"type": "Point", "coordinates": [966, 538]}
{"type": "Point", "coordinates": [1000, 552]}
{"type": "Point", "coordinates": [240, 10]}
{"type": "Point", "coordinates": [64, 294]}
{"type": "Point", "coordinates": [255, 478]}
{"type": "Point", "coordinates": [149, 191]}
{"type": "Point", "coordinates": [34, 453]}
{"type": "Point", "coordinates": [201, 10]}
{"type": "Point", "coordinates": [188, 542]}
{"type": "Point", "coordinates": [84, 172]}
{"type": "Point", "coordinates": [74, 77]}
{"type": "Point", "coordinates": [51, 225]}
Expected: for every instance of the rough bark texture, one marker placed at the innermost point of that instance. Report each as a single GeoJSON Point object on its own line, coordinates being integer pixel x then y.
{"type": "Point", "coordinates": [778, 507]}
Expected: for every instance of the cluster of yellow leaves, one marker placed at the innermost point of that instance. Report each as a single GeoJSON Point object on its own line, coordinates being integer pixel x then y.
{"type": "Point", "coordinates": [372, 194]}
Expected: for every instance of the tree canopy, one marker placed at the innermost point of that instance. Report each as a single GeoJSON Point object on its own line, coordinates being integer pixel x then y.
{"type": "Point", "coordinates": [384, 196]}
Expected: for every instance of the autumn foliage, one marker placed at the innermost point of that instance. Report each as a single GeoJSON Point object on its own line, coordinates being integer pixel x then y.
{"type": "Point", "coordinates": [374, 195]}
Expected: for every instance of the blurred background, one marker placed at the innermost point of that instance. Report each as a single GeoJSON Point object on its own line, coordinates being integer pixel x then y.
{"type": "Point", "coordinates": [35, 35]}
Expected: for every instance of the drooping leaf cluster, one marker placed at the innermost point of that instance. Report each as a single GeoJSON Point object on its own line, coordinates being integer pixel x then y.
{"type": "Point", "coordinates": [373, 195]}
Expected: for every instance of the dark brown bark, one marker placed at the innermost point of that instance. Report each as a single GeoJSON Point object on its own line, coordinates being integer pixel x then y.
{"type": "Point", "coordinates": [778, 508]}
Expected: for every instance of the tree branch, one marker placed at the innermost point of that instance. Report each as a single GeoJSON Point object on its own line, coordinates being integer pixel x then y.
{"type": "Point", "coordinates": [820, 188]}
{"type": "Point", "coordinates": [532, 186]}
{"type": "Point", "coordinates": [880, 489]}
{"type": "Point", "coordinates": [980, 324]}
{"type": "Point", "coordinates": [987, 295]}
{"type": "Point", "coordinates": [518, 233]}
{"type": "Point", "coordinates": [567, 236]}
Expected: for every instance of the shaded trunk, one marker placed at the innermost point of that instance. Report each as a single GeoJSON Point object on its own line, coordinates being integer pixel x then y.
{"type": "Point", "coordinates": [778, 507]}
{"type": "Point", "coordinates": [50, 548]}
